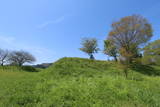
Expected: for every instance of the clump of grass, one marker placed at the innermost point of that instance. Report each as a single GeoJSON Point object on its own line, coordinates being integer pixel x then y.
{"type": "Point", "coordinates": [18, 69]}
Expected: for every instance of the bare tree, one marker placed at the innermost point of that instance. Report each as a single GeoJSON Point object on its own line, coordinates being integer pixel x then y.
{"type": "Point", "coordinates": [89, 46]}
{"type": "Point", "coordinates": [3, 56]}
{"type": "Point", "coordinates": [21, 57]}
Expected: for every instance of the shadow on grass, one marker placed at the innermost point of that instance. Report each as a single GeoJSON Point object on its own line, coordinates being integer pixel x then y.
{"type": "Point", "coordinates": [146, 69]}
{"type": "Point", "coordinates": [29, 69]}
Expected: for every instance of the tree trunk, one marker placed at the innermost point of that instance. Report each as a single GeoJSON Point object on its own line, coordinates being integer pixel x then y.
{"type": "Point", "coordinates": [126, 73]}
{"type": "Point", "coordinates": [92, 57]}
{"type": "Point", "coordinates": [2, 62]}
{"type": "Point", "coordinates": [115, 58]}
{"type": "Point", "coordinates": [20, 64]}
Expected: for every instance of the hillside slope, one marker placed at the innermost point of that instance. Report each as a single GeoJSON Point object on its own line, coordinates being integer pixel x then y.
{"type": "Point", "coordinates": [77, 82]}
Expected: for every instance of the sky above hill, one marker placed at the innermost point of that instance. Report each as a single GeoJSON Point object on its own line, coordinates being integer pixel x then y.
{"type": "Point", "coordinates": [51, 29]}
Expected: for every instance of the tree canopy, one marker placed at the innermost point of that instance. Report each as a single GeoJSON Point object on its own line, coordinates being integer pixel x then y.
{"type": "Point", "coordinates": [152, 53]}
{"type": "Point", "coordinates": [89, 46]}
{"type": "Point", "coordinates": [110, 49]}
{"type": "Point", "coordinates": [3, 56]}
{"type": "Point", "coordinates": [21, 57]}
{"type": "Point", "coordinates": [129, 33]}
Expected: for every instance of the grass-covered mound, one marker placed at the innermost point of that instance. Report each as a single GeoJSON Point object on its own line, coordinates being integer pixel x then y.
{"type": "Point", "coordinates": [77, 82]}
{"type": "Point", "coordinates": [79, 66]}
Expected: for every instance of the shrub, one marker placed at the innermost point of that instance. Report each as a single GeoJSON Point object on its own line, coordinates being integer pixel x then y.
{"type": "Point", "coordinates": [29, 69]}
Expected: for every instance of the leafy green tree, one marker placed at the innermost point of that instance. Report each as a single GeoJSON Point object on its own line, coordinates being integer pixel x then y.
{"type": "Point", "coordinates": [89, 46]}
{"type": "Point", "coordinates": [128, 34]}
{"type": "Point", "coordinates": [152, 53]}
{"type": "Point", "coordinates": [110, 49]}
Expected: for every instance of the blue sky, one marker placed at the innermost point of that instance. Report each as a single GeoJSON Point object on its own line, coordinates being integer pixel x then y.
{"type": "Point", "coordinates": [51, 29]}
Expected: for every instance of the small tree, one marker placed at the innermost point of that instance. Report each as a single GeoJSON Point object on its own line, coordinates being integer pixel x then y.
{"type": "Point", "coordinates": [110, 49]}
{"type": "Point", "coordinates": [21, 57]}
{"type": "Point", "coordinates": [152, 53]}
{"type": "Point", "coordinates": [3, 56]}
{"type": "Point", "coordinates": [125, 60]}
{"type": "Point", "coordinates": [89, 46]}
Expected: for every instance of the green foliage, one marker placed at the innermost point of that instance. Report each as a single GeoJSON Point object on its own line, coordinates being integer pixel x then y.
{"type": "Point", "coordinates": [128, 34]}
{"type": "Point", "coordinates": [18, 69]}
{"type": "Point", "coordinates": [77, 82]}
{"type": "Point", "coordinates": [152, 53]}
{"type": "Point", "coordinates": [110, 49]}
{"type": "Point", "coordinates": [29, 69]}
{"type": "Point", "coordinates": [89, 46]}
{"type": "Point", "coordinates": [11, 69]}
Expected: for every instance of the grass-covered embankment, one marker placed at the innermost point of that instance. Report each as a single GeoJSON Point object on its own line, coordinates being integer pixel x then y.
{"type": "Point", "coordinates": [76, 82]}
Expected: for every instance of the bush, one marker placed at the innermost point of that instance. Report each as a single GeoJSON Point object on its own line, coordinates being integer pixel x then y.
{"type": "Point", "coordinates": [29, 69]}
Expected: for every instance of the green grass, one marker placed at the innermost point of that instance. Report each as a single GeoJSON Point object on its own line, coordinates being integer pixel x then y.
{"type": "Point", "coordinates": [77, 82]}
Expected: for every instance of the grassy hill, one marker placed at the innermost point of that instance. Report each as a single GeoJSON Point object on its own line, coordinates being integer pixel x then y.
{"type": "Point", "coordinates": [77, 82]}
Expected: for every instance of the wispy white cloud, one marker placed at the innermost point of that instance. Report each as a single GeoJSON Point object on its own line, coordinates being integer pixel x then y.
{"type": "Point", "coordinates": [56, 21]}
{"type": "Point", "coordinates": [42, 54]}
